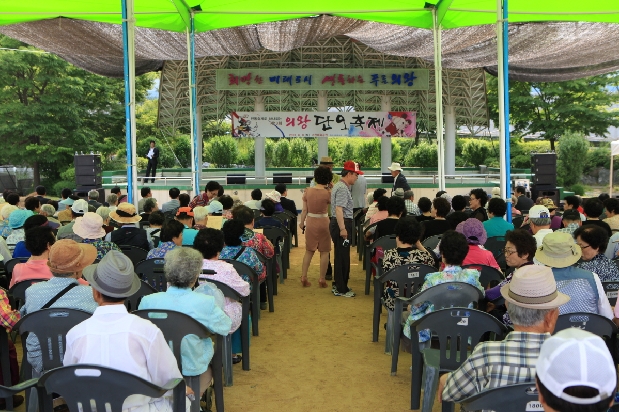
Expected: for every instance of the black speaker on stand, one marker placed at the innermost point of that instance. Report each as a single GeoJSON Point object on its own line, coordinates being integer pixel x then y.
{"type": "Point", "coordinates": [88, 175]}
{"type": "Point", "coordinates": [544, 180]}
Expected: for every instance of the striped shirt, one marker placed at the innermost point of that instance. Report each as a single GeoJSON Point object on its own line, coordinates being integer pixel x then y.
{"type": "Point", "coordinates": [571, 228]}
{"type": "Point", "coordinates": [341, 196]}
{"type": "Point", "coordinates": [496, 364]}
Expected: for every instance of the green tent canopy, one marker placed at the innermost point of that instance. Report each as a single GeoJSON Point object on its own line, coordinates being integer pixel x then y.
{"type": "Point", "coordinates": [173, 15]}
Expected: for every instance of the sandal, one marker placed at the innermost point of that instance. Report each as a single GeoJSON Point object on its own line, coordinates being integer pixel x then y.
{"type": "Point", "coordinates": [305, 282]}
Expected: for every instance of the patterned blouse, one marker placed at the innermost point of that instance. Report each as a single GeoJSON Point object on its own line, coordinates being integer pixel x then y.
{"type": "Point", "coordinates": [602, 266]}
{"type": "Point", "coordinates": [449, 274]}
{"type": "Point", "coordinates": [225, 273]}
{"type": "Point", "coordinates": [259, 243]}
{"type": "Point", "coordinates": [5, 230]}
{"type": "Point", "coordinates": [398, 257]}
{"type": "Point", "coordinates": [160, 252]}
{"type": "Point", "coordinates": [248, 257]}
{"type": "Point", "coordinates": [102, 246]}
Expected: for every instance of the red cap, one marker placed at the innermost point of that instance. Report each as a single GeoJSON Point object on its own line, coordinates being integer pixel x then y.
{"type": "Point", "coordinates": [352, 167]}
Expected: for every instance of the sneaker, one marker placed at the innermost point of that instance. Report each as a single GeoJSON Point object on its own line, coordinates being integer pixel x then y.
{"type": "Point", "coordinates": [348, 294]}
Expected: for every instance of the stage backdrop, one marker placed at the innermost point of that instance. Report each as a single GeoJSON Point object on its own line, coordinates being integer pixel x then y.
{"type": "Point", "coordinates": [320, 124]}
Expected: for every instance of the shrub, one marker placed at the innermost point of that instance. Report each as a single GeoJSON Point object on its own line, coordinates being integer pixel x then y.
{"type": "Point", "coordinates": [368, 153]}
{"type": "Point", "coordinates": [299, 153]}
{"type": "Point", "coordinates": [396, 153]}
{"type": "Point", "coordinates": [335, 150]}
{"type": "Point", "coordinates": [269, 153]}
{"type": "Point", "coordinates": [282, 154]}
{"type": "Point", "coordinates": [573, 150]}
{"type": "Point", "coordinates": [182, 149]}
{"type": "Point", "coordinates": [222, 151]}
{"type": "Point", "coordinates": [475, 151]}
{"type": "Point", "coordinates": [423, 155]}
{"type": "Point", "coordinates": [348, 151]}
{"type": "Point", "coordinates": [578, 189]}
{"type": "Point", "coordinates": [599, 157]}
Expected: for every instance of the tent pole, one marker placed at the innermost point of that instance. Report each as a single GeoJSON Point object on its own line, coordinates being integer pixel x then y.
{"type": "Point", "coordinates": [438, 82]}
{"type": "Point", "coordinates": [128, 30]}
{"type": "Point", "coordinates": [193, 107]}
{"type": "Point", "coordinates": [503, 70]}
{"type": "Point", "coordinates": [612, 158]}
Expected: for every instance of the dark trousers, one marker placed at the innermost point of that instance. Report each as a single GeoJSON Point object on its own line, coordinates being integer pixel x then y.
{"type": "Point", "coordinates": [341, 261]}
{"type": "Point", "coordinates": [152, 165]}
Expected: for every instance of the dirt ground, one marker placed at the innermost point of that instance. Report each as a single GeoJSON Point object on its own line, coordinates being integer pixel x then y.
{"type": "Point", "coordinates": [315, 352]}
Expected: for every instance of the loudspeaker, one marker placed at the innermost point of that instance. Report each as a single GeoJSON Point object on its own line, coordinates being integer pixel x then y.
{"type": "Point", "coordinates": [544, 169]}
{"type": "Point", "coordinates": [88, 180]}
{"type": "Point", "coordinates": [546, 191]}
{"type": "Point", "coordinates": [88, 172]}
{"type": "Point", "coordinates": [282, 178]}
{"type": "Point", "coordinates": [235, 179]}
{"type": "Point", "coordinates": [386, 178]}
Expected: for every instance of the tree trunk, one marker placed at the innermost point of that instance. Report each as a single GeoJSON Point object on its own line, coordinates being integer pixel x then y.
{"type": "Point", "coordinates": [552, 144]}
{"type": "Point", "coordinates": [36, 174]}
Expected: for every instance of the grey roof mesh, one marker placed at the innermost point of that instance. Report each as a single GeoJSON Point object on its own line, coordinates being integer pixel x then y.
{"type": "Point", "coordinates": [538, 51]}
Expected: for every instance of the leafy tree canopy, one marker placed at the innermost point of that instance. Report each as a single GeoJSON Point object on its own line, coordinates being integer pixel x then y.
{"type": "Point", "coordinates": [556, 108]}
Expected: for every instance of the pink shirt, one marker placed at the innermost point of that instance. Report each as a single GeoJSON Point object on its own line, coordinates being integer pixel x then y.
{"type": "Point", "coordinates": [479, 256]}
{"type": "Point", "coordinates": [378, 216]}
{"type": "Point", "coordinates": [32, 269]}
{"type": "Point", "coordinates": [228, 275]}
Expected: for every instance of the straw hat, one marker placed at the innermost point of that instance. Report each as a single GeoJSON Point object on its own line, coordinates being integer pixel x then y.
{"type": "Point", "coordinates": [534, 287]}
{"type": "Point", "coordinates": [125, 213]}
{"type": "Point", "coordinates": [496, 192]}
{"type": "Point", "coordinates": [89, 226]}
{"type": "Point", "coordinates": [68, 256]}
{"type": "Point", "coordinates": [550, 205]}
{"type": "Point", "coordinates": [326, 160]}
{"type": "Point", "coordinates": [558, 250]}
{"type": "Point", "coordinates": [113, 275]}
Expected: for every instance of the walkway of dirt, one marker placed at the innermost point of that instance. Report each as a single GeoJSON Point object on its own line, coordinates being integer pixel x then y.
{"type": "Point", "coordinates": [315, 353]}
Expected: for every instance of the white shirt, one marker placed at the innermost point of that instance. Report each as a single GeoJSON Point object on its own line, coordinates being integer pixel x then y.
{"type": "Point", "coordinates": [116, 339]}
{"type": "Point", "coordinates": [539, 236]}
{"type": "Point", "coordinates": [151, 152]}
{"type": "Point", "coordinates": [358, 192]}
{"type": "Point", "coordinates": [254, 204]}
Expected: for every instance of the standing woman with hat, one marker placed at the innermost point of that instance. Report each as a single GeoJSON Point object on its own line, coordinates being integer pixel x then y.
{"type": "Point", "coordinates": [90, 228]}
{"type": "Point", "coordinates": [315, 221]}
{"type": "Point", "coordinates": [399, 181]}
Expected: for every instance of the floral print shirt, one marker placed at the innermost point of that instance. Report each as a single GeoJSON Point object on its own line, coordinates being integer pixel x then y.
{"type": "Point", "coordinates": [160, 252]}
{"type": "Point", "coordinates": [398, 257]}
{"type": "Point", "coordinates": [102, 246]}
{"type": "Point", "coordinates": [449, 274]}
{"type": "Point", "coordinates": [248, 257]}
{"type": "Point", "coordinates": [259, 243]}
{"type": "Point", "coordinates": [606, 270]}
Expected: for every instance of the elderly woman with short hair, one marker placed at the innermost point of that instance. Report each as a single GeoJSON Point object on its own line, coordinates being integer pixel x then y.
{"type": "Point", "coordinates": [182, 268]}
{"type": "Point", "coordinates": [593, 241]}
{"type": "Point", "coordinates": [200, 217]}
{"type": "Point", "coordinates": [104, 212]}
{"type": "Point", "coordinates": [112, 200]}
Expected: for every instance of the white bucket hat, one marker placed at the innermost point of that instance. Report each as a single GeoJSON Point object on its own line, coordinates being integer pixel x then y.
{"type": "Point", "coordinates": [534, 287]}
{"type": "Point", "coordinates": [395, 167]}
{"type": "Point", "coordinates": [89, 226]}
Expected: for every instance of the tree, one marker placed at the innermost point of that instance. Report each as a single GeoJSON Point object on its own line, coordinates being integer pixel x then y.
{"type": "Point", "coordinates": [49, 109]}
{"type": "Point", "coordinates": [556, 108]}
{"type": "Point", "coordinates": [573, 149]}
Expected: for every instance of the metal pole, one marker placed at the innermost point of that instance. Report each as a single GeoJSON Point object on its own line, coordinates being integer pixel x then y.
{"type": "Point", "coordinates": [503, 70]}
{"type": "Point", "coordinates": [193, 105]}
{"type": "Point", "coordinates": [438, 81]}
{"type": "Point", "coordinates": [612, 158]}
{"type": "Point", "coordinates": [128, 30]}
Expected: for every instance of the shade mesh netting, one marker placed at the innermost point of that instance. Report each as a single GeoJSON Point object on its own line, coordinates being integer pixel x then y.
{"type": "Point", "coordinates": [537, 51]}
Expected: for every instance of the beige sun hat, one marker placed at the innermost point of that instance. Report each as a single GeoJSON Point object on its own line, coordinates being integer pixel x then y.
{"type": "Point", "coordinates": [534, 287]}
{"type": "Point", "coordinates": [89, 226]}
{"type": "Point", "coordinates": [125, 213]}
{"type": "Point", "coordinates": [395, 167]}
{"type": "Point", "coordinates": [326, 160]}
{"type": "Point", "coordinates": [558, 250]}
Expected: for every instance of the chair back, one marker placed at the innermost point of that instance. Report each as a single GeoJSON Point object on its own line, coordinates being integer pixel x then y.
{"type": "Point", "coordinates": [175, 326]}
{"type": "Point", "coordinates": [10, 264]}
{"type": "Point", "coordinates": [80, 385]}
{"type": "Point", "coordinates": [448, 294]}
{"type": "Point", "coordinates": [495, 245]}
{"type": "Point", "coordinates": [456, 329]}
{"type": "Point", "coordinates": [136, 254]}
{"type": "Point", "coordinates": [486, 273]}
{"type": "Point", "coordinates": [365, 230]}
{"type": "Point", "coordinates": [274, 234]}
{"type": "Point", "coordinates": [522, 397]}
{"type": "Point", "coordinates": [409, 277]}
{"type": "Point", "coordinates": [133, 301]}
{"type": "Point", "coordinates": [611, 289]}
{"type": "Point", "coordinates": [51, 327]}
{"type": "Point", "coordinates": [591, 322]}
{"type": "Point", "coordinates": [282, 217]}
{"type": "Point", "coordinates": [432, 242]}
{"type": "Point", "coordinates": [18, 291]}
{"type": "Point", "coordinates": [257, 214]}
{"type": "Point", "coordinates": [384, 242]}
{"type": "Point", "coordinates": [151, 272]}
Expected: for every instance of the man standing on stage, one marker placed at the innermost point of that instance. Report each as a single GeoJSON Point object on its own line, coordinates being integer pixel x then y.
{"type": "Point", "coordinates": [399, 181]}
{"type": "Point", "coordinates": [341, 227]}
{"type": "Point", "coordinates": [153, 158]}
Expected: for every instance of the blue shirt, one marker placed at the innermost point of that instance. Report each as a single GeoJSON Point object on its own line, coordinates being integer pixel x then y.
{"type": "Point", "coordinates": [20, 250]}
{"type": "Point", "coordinates": [268, 221]}
{"type": "Point", "coordinates": [497, 226]}
{"type": "Point", "coordinates": [37, 296]}
{"type": "Point", "coordinates": [160, 252]}
{"type": "Point", "coordinates": [196, 353]}
{"type": "Point", "coordinates": [189, 236]}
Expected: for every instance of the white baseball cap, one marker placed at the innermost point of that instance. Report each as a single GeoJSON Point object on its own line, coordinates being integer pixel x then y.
{"type": "Point", "coordinates": [574, 357]}
{"type": "Point", "coordinates": [539, 212]}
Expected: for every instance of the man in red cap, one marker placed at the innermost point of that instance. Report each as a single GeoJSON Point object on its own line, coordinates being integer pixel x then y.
{"type": "Point", "coordinates": [341, 227]}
